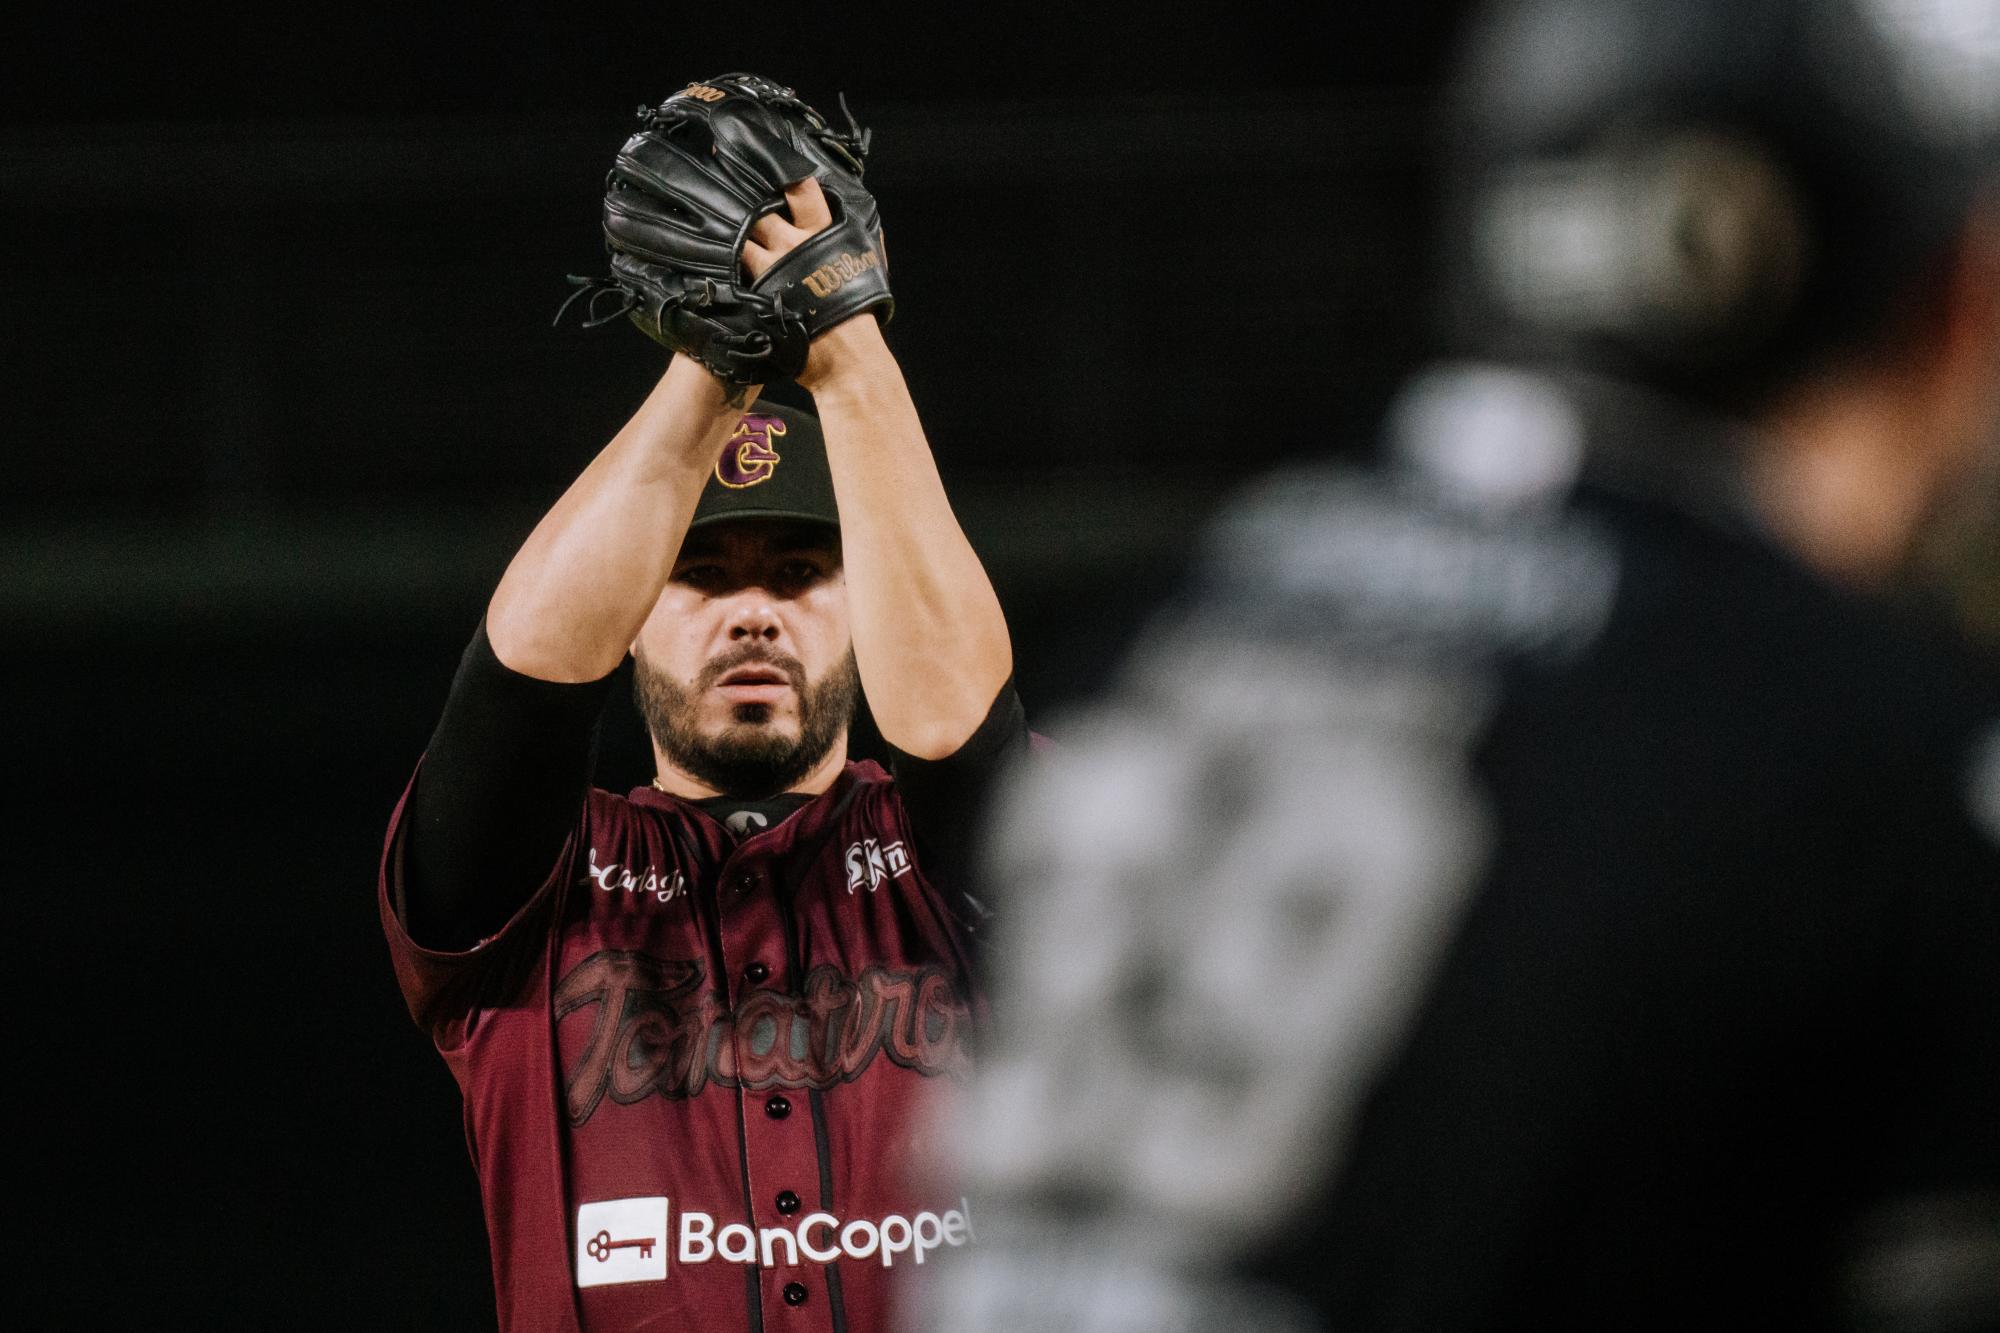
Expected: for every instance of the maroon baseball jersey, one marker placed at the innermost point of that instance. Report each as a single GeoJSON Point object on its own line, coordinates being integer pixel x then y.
{"type": "Point", "coordinates": [695, 1069]}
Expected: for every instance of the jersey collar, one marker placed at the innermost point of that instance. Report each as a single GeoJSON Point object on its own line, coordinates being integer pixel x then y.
{"type": "Point", "coordinates": [813, 818]}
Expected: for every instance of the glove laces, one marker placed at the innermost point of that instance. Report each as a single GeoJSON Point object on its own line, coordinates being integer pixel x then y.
{"type": "Point", "coordinates": [590, 290]}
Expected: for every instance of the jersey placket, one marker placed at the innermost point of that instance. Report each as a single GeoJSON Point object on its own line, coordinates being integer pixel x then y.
{"type": "Point", "coordinates": [781, 1159]}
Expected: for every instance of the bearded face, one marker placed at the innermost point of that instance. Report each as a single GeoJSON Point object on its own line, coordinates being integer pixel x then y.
{"type": "Point", "coordinates": [752, 746]}
{"type": "Point", "coordinates": [745, 670]}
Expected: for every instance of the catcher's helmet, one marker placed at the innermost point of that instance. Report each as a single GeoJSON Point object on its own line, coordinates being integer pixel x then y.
{"type": "Point", "coordinates": [1708, 194]}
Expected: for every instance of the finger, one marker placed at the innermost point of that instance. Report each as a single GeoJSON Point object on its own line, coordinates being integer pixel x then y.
{"type": "Point", "coordinates": [807, 202]}
{"type": "Point", "coordinates": [757, 259]}
{"type": "Point", "coordinates": [774, 233]}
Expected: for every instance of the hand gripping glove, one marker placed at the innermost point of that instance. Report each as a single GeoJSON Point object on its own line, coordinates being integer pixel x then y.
{"type": "Point", "coordinates": [679, 201]}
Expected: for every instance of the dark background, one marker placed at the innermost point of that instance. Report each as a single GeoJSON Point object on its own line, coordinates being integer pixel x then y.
{"type": "Point", "coordinates": [281, 396]}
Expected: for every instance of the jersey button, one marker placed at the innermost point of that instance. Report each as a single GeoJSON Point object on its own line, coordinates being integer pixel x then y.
{"type": "Point", "coordinates": [788, 1202]}
{"type": "Point", "coordinates": [755, 973]}
{"type": "Point", "coordinates": [795, 1293]}
{"type": "Point", "coordinates": [777, 1108]}
{"type": "Point", "coordinates": [745, 882]}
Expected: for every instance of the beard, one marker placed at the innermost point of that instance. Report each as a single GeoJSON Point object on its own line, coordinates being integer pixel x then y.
{"type": "Point", "coordinates": [749, 758]}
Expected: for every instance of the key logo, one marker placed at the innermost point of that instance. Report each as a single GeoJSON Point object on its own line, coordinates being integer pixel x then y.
{"type": "Point", "coordinates": [621, 1240]}
{"type": "Point", "coordinates": [750, 457]}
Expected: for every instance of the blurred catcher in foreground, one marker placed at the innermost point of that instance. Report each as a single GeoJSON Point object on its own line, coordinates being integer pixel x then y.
{"type": "Point", "coordinates": [1549, 884]}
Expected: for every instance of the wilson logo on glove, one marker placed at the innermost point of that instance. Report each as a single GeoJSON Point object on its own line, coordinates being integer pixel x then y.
{"type": "Point", "coordinates": [701, 92]}
{"type": "Point", "coordinates": [830, 278]}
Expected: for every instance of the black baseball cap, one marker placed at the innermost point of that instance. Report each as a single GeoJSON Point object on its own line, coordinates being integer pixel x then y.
{"type": "Point", "coordinates": [774, 466]}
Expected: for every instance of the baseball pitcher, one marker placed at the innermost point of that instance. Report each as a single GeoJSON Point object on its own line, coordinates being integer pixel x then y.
{"type": "Point", "coordinates": [691, 1023]}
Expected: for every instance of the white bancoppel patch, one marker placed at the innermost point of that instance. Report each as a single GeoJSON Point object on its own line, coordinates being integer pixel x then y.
{"type": "Point", "coordinates": [621, 1240]}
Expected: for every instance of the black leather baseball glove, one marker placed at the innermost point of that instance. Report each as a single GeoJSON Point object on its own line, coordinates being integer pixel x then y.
{"type": "Point", "coordinates": [680, 199]}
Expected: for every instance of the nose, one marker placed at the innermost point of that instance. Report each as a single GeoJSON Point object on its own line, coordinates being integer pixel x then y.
{"type": "Point", "coordinates": [753, 617]}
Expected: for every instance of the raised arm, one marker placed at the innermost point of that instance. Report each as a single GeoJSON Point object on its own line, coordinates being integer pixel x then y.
{"type": "Point", "coordinates": [508, 766]}
{"type": "Point", "coordinates": [929, 636]}
{"type": "Point", "coordinates": [578, 590]}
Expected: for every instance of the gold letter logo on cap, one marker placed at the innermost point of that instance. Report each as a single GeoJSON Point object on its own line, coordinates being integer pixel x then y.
{"type": "Point", "coordinates": [748, 458]}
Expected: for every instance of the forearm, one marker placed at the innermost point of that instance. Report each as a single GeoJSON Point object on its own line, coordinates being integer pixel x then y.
{"type": "Point", "coordinates": [578, 590]}
{"type": "Point", "coordinates": [929, 636]}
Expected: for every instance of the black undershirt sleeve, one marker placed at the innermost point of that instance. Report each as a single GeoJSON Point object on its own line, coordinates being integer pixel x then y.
{"type": "Point", "coordinates": [496, 798]}
{"type": "Point", "coordinates": [946, 798]}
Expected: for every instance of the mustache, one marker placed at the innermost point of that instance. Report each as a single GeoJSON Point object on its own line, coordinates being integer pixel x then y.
{"type": "Point", "coordinates": [718, 667]}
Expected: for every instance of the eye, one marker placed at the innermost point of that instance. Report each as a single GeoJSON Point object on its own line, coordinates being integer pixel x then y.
{"type": "Point", "coordinates": [799, 573]}
{"type": "Point", "coordinates": [699, 576]}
